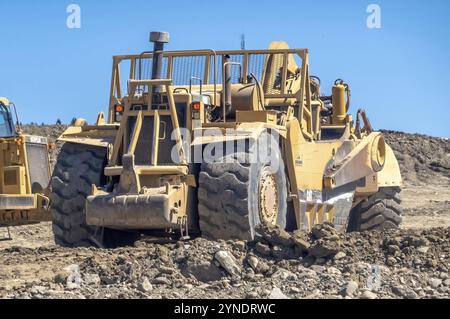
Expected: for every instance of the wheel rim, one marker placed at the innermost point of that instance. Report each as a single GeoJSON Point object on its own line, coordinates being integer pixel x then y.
{"type": "Point", "coordinates": [268, 197]}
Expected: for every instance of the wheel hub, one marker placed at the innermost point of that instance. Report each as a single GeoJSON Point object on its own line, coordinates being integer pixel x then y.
{"type": "Point", "coordinates": [268, 197]}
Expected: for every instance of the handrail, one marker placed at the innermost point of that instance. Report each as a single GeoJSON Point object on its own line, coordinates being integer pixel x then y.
{"type": "Point", "coordinates": [208, 54]}
{"type": "Point", "coordinates": [172, 54]}
{"type": "Point", "coordinates": [201, 52]}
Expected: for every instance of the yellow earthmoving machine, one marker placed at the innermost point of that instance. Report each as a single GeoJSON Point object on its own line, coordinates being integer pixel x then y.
{"type": "Point", "coordinates": [217, 142]}
{"type": "Point", "coordinates": [24, 172]}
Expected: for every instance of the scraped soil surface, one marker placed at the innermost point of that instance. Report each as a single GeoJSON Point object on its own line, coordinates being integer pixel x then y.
{"type": "Point", "coordinates": [412, 262]}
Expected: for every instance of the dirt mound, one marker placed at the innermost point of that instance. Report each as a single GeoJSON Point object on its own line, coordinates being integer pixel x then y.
{"type": "Point", "coordinates": [325, 264]}
{"type": "Point", "coordinates": [52, 132]}
{"type": "Point", "coordinates": [421, 158]}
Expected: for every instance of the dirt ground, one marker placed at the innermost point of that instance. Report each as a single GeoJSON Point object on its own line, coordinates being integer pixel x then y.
{"type": "Point", "coordinates": [412, 262]}
{"type": "Point", "coordinates": [425, 165]}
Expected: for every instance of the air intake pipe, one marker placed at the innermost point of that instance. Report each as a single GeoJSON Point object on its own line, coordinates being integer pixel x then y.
{"type": "Point", "coordinates": [226, 86]}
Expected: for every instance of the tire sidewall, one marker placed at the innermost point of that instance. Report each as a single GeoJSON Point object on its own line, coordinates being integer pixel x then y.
{"type": "Point", "coordinates": [268, 154]}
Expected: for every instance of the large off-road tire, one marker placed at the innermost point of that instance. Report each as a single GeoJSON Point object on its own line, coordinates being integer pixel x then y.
{"type": "Point", "coordinates": [232, 191]}
{"type": "Point", "coordinates": [379, 212]}
{"type": "Point", "coordinates": [78, 167]}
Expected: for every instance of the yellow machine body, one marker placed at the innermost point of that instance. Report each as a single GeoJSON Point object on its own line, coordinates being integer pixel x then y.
{"type": "Point", "coordinates": [330, 166]}
{"type": "Point", "coordinates": [339, 104]}
{"type": "Point", "coordinates": [24, 174]}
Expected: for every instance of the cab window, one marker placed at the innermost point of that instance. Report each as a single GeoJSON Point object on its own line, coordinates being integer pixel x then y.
{"type": "Point", "coordinates": [6, 122]}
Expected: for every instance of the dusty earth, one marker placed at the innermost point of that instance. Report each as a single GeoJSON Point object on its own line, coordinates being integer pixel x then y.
{"type": "Point", "coordinates": [412, 262]}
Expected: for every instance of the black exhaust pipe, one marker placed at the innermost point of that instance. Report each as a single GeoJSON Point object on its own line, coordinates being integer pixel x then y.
{"type": "Point", "coordinates": [159, 39]}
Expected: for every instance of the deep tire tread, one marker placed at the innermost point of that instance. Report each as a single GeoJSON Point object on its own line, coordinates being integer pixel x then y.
{"type": "Point", "coordinates": [379, 212]}
{"type": "Point", "coordinates": [223, 199]}
{"type": "Point", "coordinates": [77, 168]}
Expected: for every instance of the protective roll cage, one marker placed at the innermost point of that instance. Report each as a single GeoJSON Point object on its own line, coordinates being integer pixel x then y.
{"type": "Point", "coordinates": [206, 67]}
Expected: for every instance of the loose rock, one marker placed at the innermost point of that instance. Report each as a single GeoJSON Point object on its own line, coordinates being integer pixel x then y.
{"type": "Point", "coordinates": [228, 262]}
{"type": "Point", "coordinates": [276, 293]}
{"type": "Point", "coordinates": [92, 279]}
{"type": "Point", "coordinates": [324, 249]}
{"type": "Point", "coordinates": [368, 295]}
{"type": "Point", "coordinates": [262, 249]}
{"type": "Point", "coordinates": [435, 282]}
{"type": "Point", "coordinates": [161, 281]}
{"type": "Point", "coordinates": [145, 285]}
{"type": "Point", "coordinates": [351, 288]}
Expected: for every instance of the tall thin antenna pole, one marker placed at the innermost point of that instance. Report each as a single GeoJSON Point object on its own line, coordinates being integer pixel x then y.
{"type": "Point", "coordinates": [243, 41]}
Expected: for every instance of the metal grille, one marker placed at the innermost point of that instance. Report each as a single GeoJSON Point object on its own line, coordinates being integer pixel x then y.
{"type": "Point", "coordinates": [143, 68]}
{"type": "Point", "coordinates": [265, 66]}
{"type": "Point", "coordinates": [187, 68]}
{"type": "Point", "coordinates": [37, 155]}
{"type": "Point", "coordinates": [256, 64]}
{"type": "Point", "coordinates": [239, 58]}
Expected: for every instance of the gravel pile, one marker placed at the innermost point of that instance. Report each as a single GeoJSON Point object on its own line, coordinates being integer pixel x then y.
{"type": "Point", "coordinates": [323, 264]}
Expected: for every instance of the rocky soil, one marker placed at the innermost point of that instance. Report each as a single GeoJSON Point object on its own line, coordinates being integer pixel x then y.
{"type": "Point", "coordinates": [423, 159]}
{"type": "Point", "coordinates": [412, 262]}
{"type": "Point", "coordinates": [395, 264]}
{"type": "Point", "coordinates": [52, 132]}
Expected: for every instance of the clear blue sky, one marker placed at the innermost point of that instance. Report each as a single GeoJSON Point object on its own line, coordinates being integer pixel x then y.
{"type": "Point", "coordinates": [399, 73]}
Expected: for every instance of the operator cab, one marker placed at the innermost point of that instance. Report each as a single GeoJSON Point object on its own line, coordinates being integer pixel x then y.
{"type": "Point", "coordinates": [7, 127]}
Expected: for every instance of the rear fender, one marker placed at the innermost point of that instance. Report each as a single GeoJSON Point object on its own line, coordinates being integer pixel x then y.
{"type": "Point", "coordinates": [390, 175]}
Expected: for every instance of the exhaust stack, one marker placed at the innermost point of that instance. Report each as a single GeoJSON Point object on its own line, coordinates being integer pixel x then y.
{"type": "Point", "coordinates": [159, 39]}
